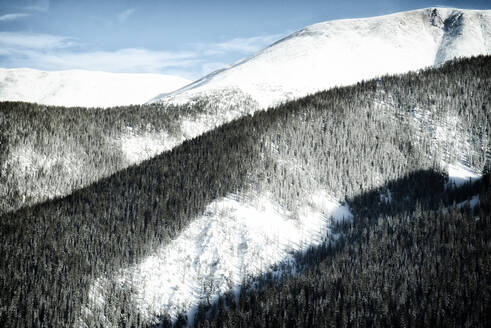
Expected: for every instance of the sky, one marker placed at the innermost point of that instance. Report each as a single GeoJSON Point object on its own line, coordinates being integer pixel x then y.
{"type": "Point", "coordinates": [178, 37]}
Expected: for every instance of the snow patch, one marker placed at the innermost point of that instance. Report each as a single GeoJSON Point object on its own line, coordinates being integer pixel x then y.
{"type": "Point", "coordinates": [459, 174]}
{"type": "Point", "coordinates": [33, 171]}
{"type": "Point", "coordinates": [236, 237]}
{"type": "Point", "coordinates": [137, 148]}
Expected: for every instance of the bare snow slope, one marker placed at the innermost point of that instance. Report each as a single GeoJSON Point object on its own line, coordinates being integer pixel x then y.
{"type": "Point", "coordinates": [343, 52]}
{"type": "Point", "coordinates": [83, 88]}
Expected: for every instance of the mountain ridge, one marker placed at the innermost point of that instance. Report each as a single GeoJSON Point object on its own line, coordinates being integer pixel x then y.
{"type": "Point", "coordinates": [298, 64]}
{"type": "Point", "coordinates": [82, 88]}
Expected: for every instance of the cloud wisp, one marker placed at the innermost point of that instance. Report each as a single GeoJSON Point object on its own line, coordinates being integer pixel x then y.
{"type": "Point", "coordinates": [129, 60]}
{"type": "Point", "coordinates": [125, 14]}
{"type": "Point", "coordinates": [55, 52]}
{"type": "Point", "coordinates": [27, 40]}
{"type": "Point", "coordinates": [37, 5]}
{"type": "Point", "coordinates": [13, 16]}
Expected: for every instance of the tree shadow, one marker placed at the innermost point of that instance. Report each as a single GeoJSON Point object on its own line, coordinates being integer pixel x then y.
{"type": "Point", "coordinates": [422, 190]}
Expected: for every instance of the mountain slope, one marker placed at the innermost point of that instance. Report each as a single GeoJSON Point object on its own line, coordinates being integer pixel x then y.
{"type": "Point", "coordinates": [343, 52]}
{"type": "Point", "coordinates": [97, 256]}
{"type": "Point", "coordinates": [48, 151]}
{"type": "Point", "coordinates": [83, 88]}
{"type": "Point", "coordinates": [391, 270]}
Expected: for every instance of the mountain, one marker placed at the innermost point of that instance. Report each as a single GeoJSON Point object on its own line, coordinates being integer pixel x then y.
{"type": "Point", "coordinates": [346, 206]}
{"type": "Point", "coordinates": [121, 138]}
{"type": "Point", "coordinates": [83, 88]}
{"type": "Point", "coordinates": [343, 52]}
{"type": "Point", "coordinates": [259, 201]}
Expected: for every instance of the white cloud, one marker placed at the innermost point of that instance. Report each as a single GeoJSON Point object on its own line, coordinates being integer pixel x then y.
{"type": "Point", "coordinates": [26, 40]}
{"type": "Point", "coordinates": [34, 40]}
{"type": "Point", "coordinates": [37, 5]}
{"type": "Point", "coordinates": [124, 60]}
{"type": "Point", "coordinates": [125, 14]}
{"type": "Point", "coordinates": [13, 16]}
{"type": "Point", "coordinates": [55, 52]}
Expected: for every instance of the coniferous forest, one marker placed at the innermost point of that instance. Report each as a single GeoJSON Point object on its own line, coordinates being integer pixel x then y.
{"type": "Point", "coordinates": [416, 268]}
{"type": "Point", "coordinates": [421, 259]}
{"type": "Point", "coordinates": [48, 151]}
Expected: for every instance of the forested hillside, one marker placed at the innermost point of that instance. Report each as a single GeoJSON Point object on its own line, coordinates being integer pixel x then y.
{"type": "Point", "coordinates": [347, 141]}
{"type": "Point", "coordinates": [415, 268]}
{"type": "Point", "coordinates": [48, 151]}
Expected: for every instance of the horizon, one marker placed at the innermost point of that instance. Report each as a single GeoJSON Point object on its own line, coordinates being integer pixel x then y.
{"type": "Point", "coordinates": [127, 37]}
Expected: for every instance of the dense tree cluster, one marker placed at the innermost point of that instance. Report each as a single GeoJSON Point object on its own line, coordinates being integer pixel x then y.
{"type": "Point", "coordinates": [349, 141]}
{"type": "Point", "coordinates": [420, 268]}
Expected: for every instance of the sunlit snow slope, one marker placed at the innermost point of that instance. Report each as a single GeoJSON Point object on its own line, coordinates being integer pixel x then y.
{"type": "Point", "coordinates": [344, 52]}
{"type": "Point", "coordinates": [237, 237]}
{"type": "Point", "coordinates": [83, 88]}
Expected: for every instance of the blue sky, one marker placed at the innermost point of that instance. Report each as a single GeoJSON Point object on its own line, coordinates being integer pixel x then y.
{"type": "Point", "coordinates": [181, 37]}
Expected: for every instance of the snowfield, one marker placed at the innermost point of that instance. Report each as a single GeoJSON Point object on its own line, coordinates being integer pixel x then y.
{"type": "Point", "coordinates": [236, 237]}
{"type": "Point", "coordinates": [83, 88]}
{"type": "Point", "coordinates": [344, 52]}
{"type": "Point", "coordinates": [458, 174]}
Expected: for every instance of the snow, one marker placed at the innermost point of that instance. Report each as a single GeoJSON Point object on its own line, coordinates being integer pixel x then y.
{"type": "Point", "coordinates": [137, 148]}
{"type": "Point", "coordinates": [30, 169]}
{"type": "Point", "coordinates": [458, 173]}
{"type": "Point", "coordinates": [83, 88]}
{"type": "Point", "coordinates": [344, 52]}
{"type": "Point", "coordinates": [236, 237]}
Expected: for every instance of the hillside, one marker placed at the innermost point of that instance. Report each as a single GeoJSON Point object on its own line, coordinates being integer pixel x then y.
{"type": "Point", "coordinates": [417, 268]}
{"type": "Point", "coordinates": [47, 151]}
{"type": "Point", "coordinates": [83, 88]}
{"type": "Point", "coordinates": [120, 251]}
{"type": "Point", "coordinates": [343, 52]}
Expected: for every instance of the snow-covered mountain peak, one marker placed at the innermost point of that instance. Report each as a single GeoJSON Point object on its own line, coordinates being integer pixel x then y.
{"type": "Point", "coordinates": [83, 88]}
{"type": "Point", "coordinates": [343, 52]}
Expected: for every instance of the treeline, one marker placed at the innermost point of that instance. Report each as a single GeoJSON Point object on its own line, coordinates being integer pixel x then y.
{"type": "Point", "coordinates": [348, 141]}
